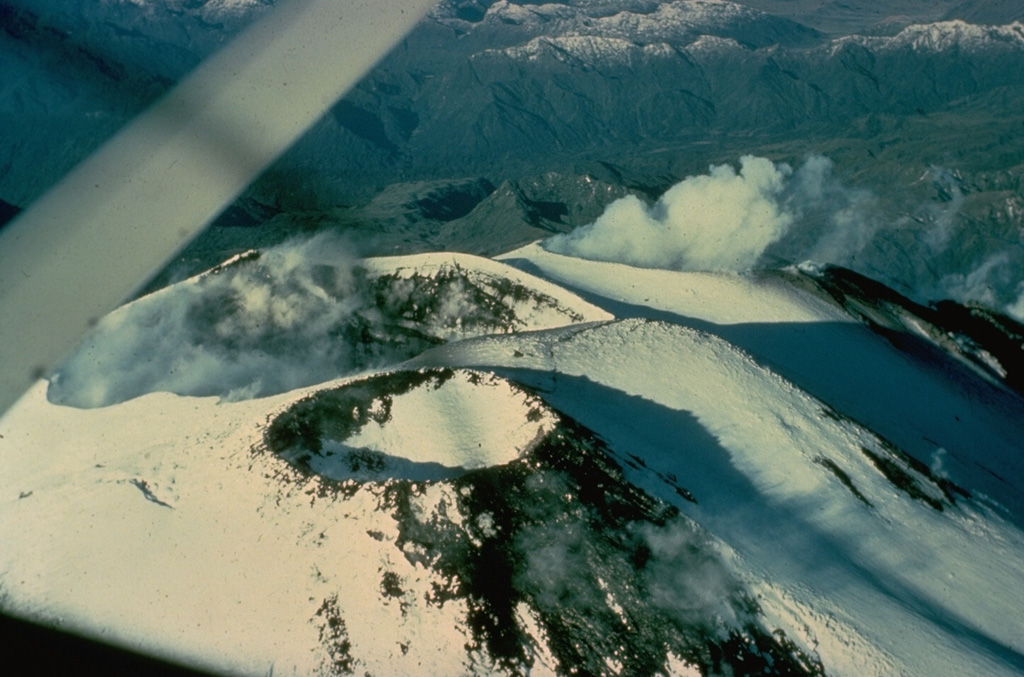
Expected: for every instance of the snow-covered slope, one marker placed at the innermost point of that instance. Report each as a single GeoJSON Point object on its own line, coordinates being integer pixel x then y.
{"type": "Point", "coordinates": [232, 551]}
{"type": "Point", "coordinates": [187, 543]}
{"type": "Point", "coordinates": [897, 384]}
{"type": "Point", "coordinates": [803, 496]}
{"type": "Point", "coordinates": [682, 473]}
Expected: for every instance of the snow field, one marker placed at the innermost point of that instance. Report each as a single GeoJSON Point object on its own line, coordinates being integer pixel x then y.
{"type": "Point", "coordinates": [181, 541]}
{"type": "Point", "coordinates": [230, 571]}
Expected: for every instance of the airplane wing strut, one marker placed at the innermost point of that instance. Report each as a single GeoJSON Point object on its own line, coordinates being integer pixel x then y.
{"type": "Point", "coordinates": [123, 213]}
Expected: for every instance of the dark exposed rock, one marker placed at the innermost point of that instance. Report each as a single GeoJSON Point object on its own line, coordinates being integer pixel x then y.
{"type": "Point", "coordinates": [618, 580]}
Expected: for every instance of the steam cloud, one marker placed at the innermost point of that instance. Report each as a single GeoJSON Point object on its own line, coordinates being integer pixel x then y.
{"type": "Point", "coordinates": [768, 214]}
{"type": "Point", "coordinates": [722, 221]}
{"type": "Point", "coordinates": [686, 577]}
{"type": "Point", "coordinates": [303, 313]}
{"type": "Point", "coordinates": [253, 328]}
{"type": "Point", "coordinates": [567, 565]}
{"type": "Point", "coordinates": [729, 220]}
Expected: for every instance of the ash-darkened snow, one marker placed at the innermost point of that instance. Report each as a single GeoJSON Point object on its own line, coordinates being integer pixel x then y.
{"type": "Point", "coordinates": [295, 315]}
{"type": "Point", "coordinates": [675, 476]}
{"type": "Point", "coordinates": [596, 337]}
{"type": "Point", "coordinates": [561, 563]}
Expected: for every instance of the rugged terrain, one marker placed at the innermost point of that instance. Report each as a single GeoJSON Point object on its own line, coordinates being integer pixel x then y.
{"type": "Point", "coordinates": [564, 107]}
{"type": "Point", "coordinates": [591, 337]}
{"type": "Point", "coordinates": [791, 472]}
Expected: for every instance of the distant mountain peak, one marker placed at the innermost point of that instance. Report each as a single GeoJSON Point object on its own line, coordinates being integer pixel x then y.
{"type": "Point", "coordinates": [712, 43]}
{"type": "Point", "coordinates": [944, 35]}
{"type": "Point", "coordinates": [588, 50]}
{"type": "Point", "coordinates": [677, 22]}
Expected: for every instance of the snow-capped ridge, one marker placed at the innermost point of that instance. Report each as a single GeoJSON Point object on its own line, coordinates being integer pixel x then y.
{"type": "Point", "coordinates": [942, 36]}
{"type": "Point", "coordinates": [676, 23]}
{"type": "Point", "coordinates": [507, 12]}
{"type": "Point", "coordinates": [740, 297]}
{"type": "Point", "coordinates": [713, 44]}
{"type": "Point", "coordinates": [680, 17]}
{"type": "Point", "coordinates": [989, 343]}
{"type": "Point", "coordinates": [588, 50]}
